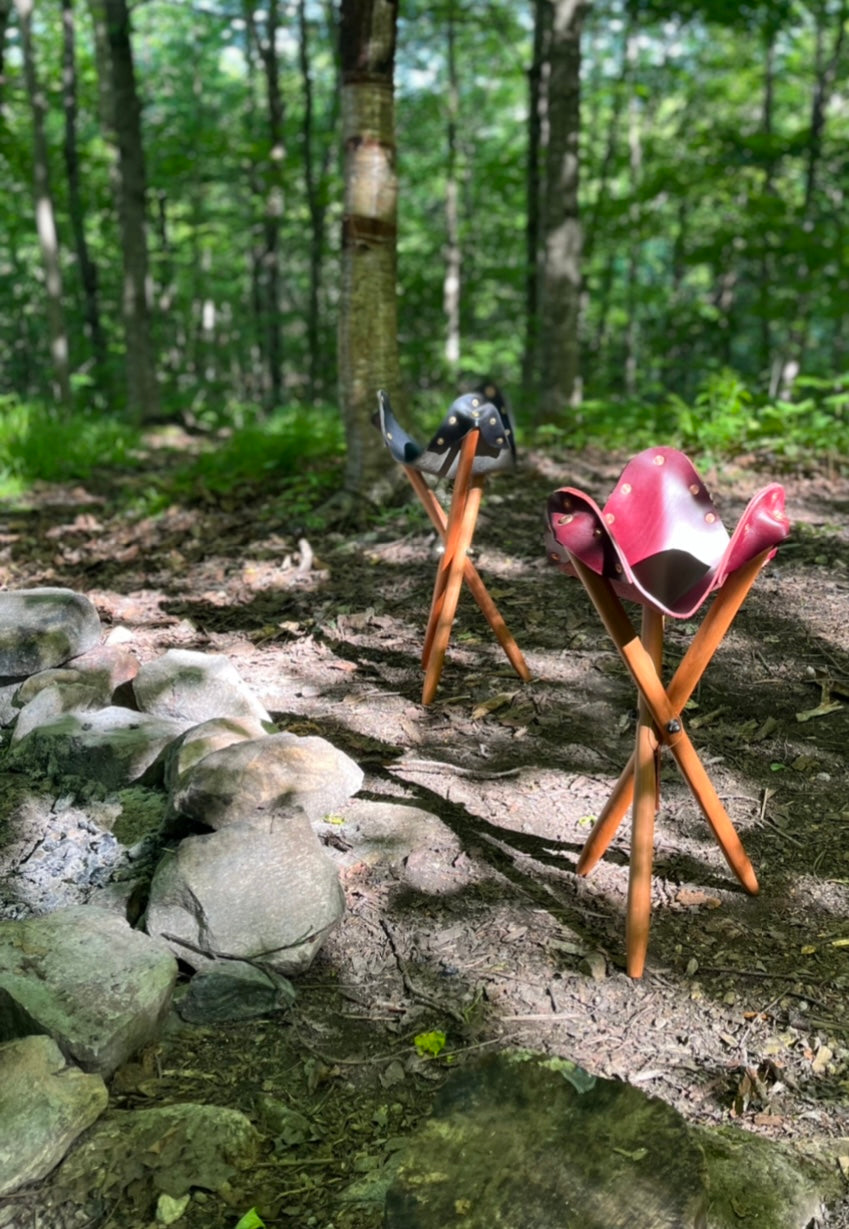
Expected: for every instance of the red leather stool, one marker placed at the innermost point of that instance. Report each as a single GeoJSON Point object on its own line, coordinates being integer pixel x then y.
{"type": "Point", "coordinates": [659, 541]}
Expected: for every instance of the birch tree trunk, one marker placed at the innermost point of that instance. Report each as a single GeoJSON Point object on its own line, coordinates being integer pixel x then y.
{"type": "Point", "coordinates": [453, 253]}
{"type": "Point", "coordinates": [368, 317]}
{"type": "Point", "coordinates": [560, 276]}
{"type": "Point", "coordinates": [267, 47]}
{"type": "Point", "coordinates": [45, 217]}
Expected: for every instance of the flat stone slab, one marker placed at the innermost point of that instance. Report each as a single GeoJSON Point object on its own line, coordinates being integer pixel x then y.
{"type": "Point", "coordinates": [520, 1139]}
{"type": "Point", "coordinates": [45, 1104]}
{"type": "Point", "coordinates": [81, 975]}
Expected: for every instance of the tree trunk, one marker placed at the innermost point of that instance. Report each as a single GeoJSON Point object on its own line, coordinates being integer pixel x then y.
{"type": "Point", "coordinates": [368, 317]}
{"type": "Point", "coordinates": [267, 48]}
{"type": "Point", "coordinates": [87, 267]}
{"type": "Point", "coordinates": [45, 218]}
{"type": "Point", "coordinates": [635, 222]}
{"type": "Point", "coordinates": [453, 254]}
{"type": "Point", "coordinates": [121, 111]}
{"type": "Point", "coordinates": [537, 106]}
{"type": "Point", "coordinates": [314, 182]}
{"type": "Point", "coordinates": [560, 282]}
{"type": "Point", "coordinates": [5, 14]}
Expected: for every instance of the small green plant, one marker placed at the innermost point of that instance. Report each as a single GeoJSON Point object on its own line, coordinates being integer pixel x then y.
{"type": "Point", "coordinates": [251, 1220]}
{"type": "Point", "coordinates": [430, 1045]}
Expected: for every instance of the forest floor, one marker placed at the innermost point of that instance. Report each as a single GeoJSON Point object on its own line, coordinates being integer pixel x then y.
{"type": "Point", "coordinates": [487, 934]}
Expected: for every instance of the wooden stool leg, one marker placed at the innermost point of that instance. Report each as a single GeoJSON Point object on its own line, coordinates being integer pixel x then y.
{"type": "Point", "coordinates": [472, 578]}
{"type": "Point", "coordinates": [644, 810]}
{"type": "Point", "coordinates": [451, 594]}
{"type": "Point", "coordinates": [454, 528]}
{"type": "Point", "coordinates": [683, 683]}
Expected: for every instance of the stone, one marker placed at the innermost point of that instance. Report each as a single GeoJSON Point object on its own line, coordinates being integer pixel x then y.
{"type": "Point", "coordinates": [163, 1150]}
{"type": "Point", "coordinates": [103, 668]}
{"type": "Point", "coordinates": [201, 740]}
{"type": "Point", "coordinates": [113, 746]}
{"type": "Point", "coordinates": [45, 1104]}
{"type": "Point", "coordinates": [233, 990]}
{"type": "Point", "coordinates": [279, 770]}
{"type": "Point", "coordinates": [193, 687]}
{"type": "Point", "coordinates": [54, 700]}
{"type": "Point", "coordinates": [522, 1139]}
{"type": "Point", "coordinates": [760, 1183]}
{"type": "Point", "coordinates": [83, 977]}
{"type": "Point", "coordinates": [40, 628]}
{"type": "Point", "coordinates": [262, 891]}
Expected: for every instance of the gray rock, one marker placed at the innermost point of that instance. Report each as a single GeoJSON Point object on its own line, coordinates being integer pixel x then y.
{"type": "Point", "coordinates": [103, 669]}
{"type": "Point", "coordinates": [201, 740]}
{"type": "Point", "coordinates": [234, 991]}
{"type": "Point", "coordinates": [524, 1140]}
{"type": "Point", "coordinates": [279, 770]}
{"type": "Point", "coordinates": [113, 746]}
{"type": "Point", "coordinates": [40, 628]}
{"type": "Point", "coordinates": [168, 1149]}
{"type": "Point", "coordinates": [262, 891]}
{"type": "Point", "coordinates": [760, 1183]}
{"type": "Point", "coordinates": [9, 710]}
{"type": "Point", "coordinates": [45, 1103]}
{"type": "Point", "coordinates": [193, 687]}
{"type": "Point", "coordinates": [54, 700]}
{"type": "Point", "coordinates": [85, 978]}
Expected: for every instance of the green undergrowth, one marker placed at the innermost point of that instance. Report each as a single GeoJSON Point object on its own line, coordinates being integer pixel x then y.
{"type": "Point", "coordinates": [293, 453]}
{"type": "Point", "coordinates": [724, 419]}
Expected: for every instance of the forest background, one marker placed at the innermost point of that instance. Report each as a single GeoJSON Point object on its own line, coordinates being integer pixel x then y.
{"type": "Point", "coordinates": [631, 214]}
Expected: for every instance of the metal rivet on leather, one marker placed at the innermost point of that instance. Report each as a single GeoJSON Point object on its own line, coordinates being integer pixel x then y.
{"type": "Point", "coordinates": [554, 556]}
{"type": "Point", "coordinates": [440, 442]}
{"type": "Point", "coordinates": [609, 517]}
{"type": "Point", "coordinates": [475, 401]}
{"type": "Point", "coordinates": [694, 488]}
{"type": "Point", "coordinates": [453, 419]}
{"type": "Point", "coordinates": [500, 440]}
{"type": "Point", "coordinates": [710, 517]}
{"type": "Point", "coordinates": [596, 533]}
{"type": "Point", "coordinates": [565, 520]}
{"type": "Point", "coordinates": [625, 488]}
{"type": "Point", "coordinates": [660, 460]}
{"type": "Point", "coordinates": [619, 568]}
{"type": "Point", "coordinates": [389, 435]}
{"type": "Point", "coordinates": [492, 421]}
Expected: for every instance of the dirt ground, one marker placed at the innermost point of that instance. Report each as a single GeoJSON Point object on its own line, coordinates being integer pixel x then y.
{"type": "Point", "coordinates": [487, 934]}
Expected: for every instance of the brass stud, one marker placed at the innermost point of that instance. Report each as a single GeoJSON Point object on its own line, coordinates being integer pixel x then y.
{"type": "Point", "coordinates": [710, 517]}
{"type": "Point", "coordinates": [500, 440]}
{"type": "Point", "coordinates": [452, 420]}
{"type": "Point", "coordinates": [440, 442]}
{"type": "Point", "coordinates": [694, 488]}
{"type": "Point", "coordinates": [493, 421]}
{"type": "Point", "coordinates": [609, 517]}
{"type": "Point", "coordinates": [619, 568]}
{"type": "Point", "coordinates": [565, 520]}
{"type": "Point", "coordinates": [475, 401]}
{"type": "Point", "coordinates": [554, 555]}
{"type": "Point", "coordinates": [389, 435]}
{"type": "Point", "coordinates": [660, 459]}
{"type": "Point", "coordinates": [625, 488]}
{"type": "Point", "coordinates": [596, 533]}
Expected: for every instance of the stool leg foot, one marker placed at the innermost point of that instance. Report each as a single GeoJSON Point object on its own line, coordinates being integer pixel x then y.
{"type": "Point", "coordinates": [606, 826]}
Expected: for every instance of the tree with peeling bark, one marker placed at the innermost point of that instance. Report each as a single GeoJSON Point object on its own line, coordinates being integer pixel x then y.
{"type": "Point", "coordinates": [368, 316]}
{"type": "Point", "coordinates": [559, 287]}
{"type": "Point", "coordinates": [45, 215]}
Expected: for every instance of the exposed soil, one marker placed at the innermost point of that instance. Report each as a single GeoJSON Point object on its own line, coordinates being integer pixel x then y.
{"type": "Point", "coordinates": [489, 935]}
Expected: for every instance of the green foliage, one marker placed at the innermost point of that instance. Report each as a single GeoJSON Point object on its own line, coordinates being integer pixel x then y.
{"type": "Point", "coordinates": [39, 442]}
{"type": "Point", "coordinates": [724, 418]}
{"type": "Point", "coordinates": [430, 1045]}
{"type": "Point", "coordinates": [251, 1220]}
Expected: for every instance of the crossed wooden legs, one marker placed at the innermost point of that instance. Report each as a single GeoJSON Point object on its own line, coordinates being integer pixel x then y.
{"type": "Point", "coordinates": [456, 531]}
{"type": "Point", "coordinates": [659, 724]}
